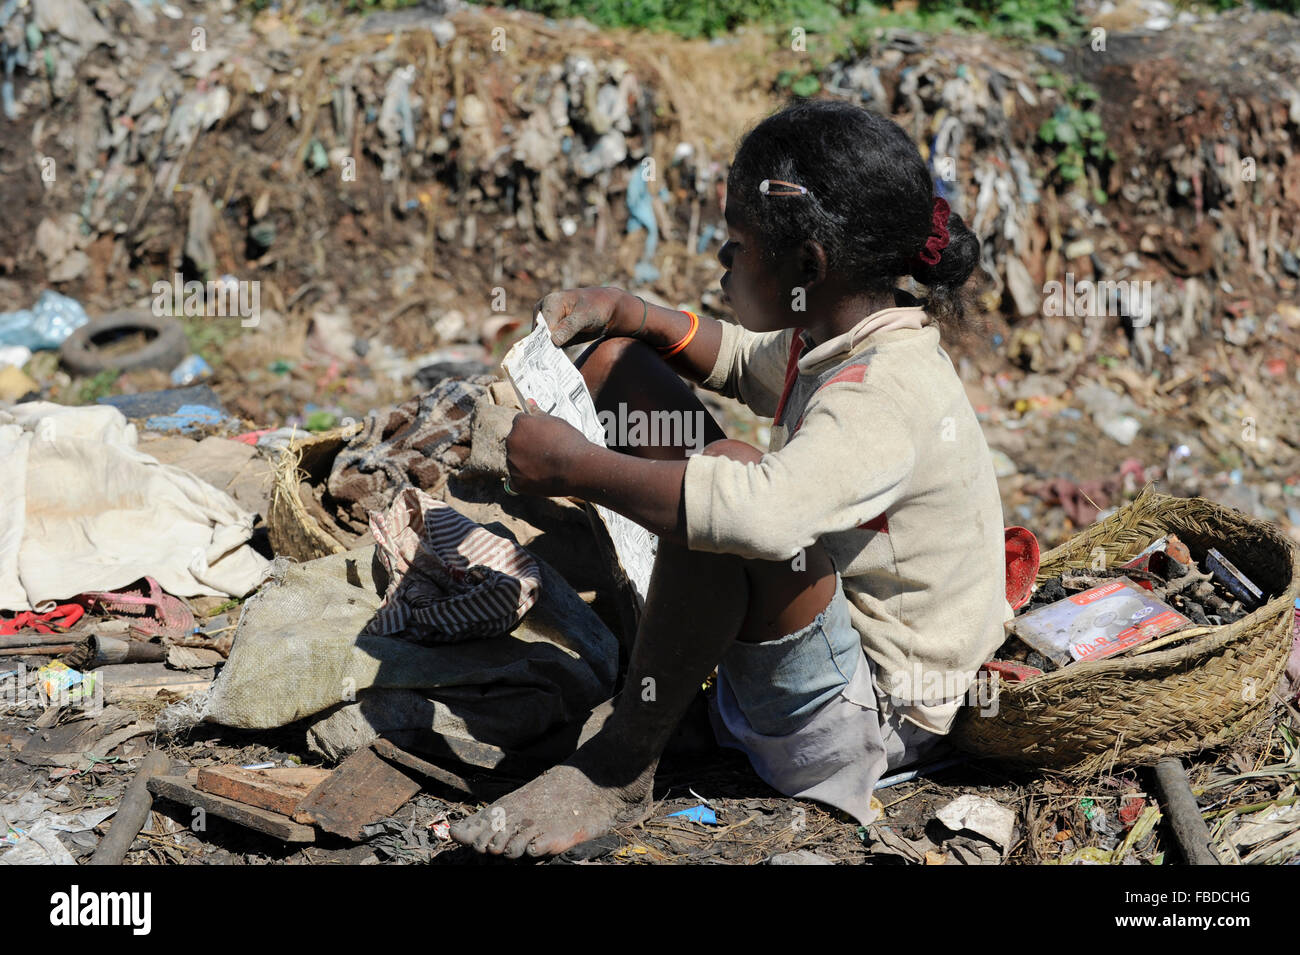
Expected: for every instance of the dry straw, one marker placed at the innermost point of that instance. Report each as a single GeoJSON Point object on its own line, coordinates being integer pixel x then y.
{"type": "Point", "coordinates": [292, 530]}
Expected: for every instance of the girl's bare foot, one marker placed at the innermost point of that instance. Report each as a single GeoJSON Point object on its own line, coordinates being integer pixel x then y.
{"type": "Point", "coordinates": [568, 804]}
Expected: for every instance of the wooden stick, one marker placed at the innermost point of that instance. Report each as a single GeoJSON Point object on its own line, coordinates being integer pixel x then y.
{"type": "Point", "coordinates": [131, 812]}
{"type": "Point", "coordinates": [1183, 813]}
{"type": "Point", "coordinates": [1253, 807]}
{"type": "Point", "coordinates": [43, 649]}
{"type": "Point", "coordinates": [1171, 638]}
{"type": "Point", "coordinates": [25, 640]}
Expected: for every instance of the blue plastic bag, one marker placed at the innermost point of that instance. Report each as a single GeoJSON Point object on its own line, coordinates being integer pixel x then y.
{"type": "Point", "coordinates": [45, 325]}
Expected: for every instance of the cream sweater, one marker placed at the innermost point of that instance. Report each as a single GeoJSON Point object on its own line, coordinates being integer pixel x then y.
{"type": "Point", "coordinates": [876, 453]}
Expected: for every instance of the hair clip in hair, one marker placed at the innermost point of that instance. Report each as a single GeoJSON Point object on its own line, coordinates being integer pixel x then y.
{"type": "Point", "coordinates": [938, 239]}
{"type": "Point", "coordinates": [793, 188]}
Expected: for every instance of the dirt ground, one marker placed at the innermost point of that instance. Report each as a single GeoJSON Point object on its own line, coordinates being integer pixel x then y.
{"type": "Point", "coordinates": [1057, 817]}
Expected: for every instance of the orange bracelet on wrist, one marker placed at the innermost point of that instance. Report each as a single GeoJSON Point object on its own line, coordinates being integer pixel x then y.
{"type": "Point", "coordinates": [686, 339]}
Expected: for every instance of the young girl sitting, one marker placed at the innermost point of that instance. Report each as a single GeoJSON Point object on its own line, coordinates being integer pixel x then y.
{"type": "Point", "coordinates": [847, 583]}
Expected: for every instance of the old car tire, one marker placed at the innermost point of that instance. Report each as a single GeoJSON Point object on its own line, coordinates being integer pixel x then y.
{"type": "Point", "coordinates": [83, 352]}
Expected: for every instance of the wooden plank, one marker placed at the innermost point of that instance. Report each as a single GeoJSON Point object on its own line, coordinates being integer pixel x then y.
{"type": "Point", "coordinates": [391, 752]}
{"type": "Point", "coordinates": [464, 751]}
{"type": "Point", "coordinates": [363, 790]}
{"type": "Point", "coordinates": [143, 681]}
{"type": "Point", "coordinates": [279, 789]}
{"type": "Point", "coordinates": [118, 694]}
{"type": "Point", "coordinates": [181, 789]}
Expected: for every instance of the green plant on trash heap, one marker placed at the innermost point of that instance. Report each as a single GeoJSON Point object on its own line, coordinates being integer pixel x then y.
{"type": "Point", "coordinates": [222, 608]}
{"type": "Point", "coordinates": [800, 83]}
{"type": "Point", "coordinates": [1016, 19]}
{"type": "Point", "coordinates": [835, 18]}
{"type": "Point", "coordinates": [862, 28]}
{"type": "Point", "coordinates": [1024, 19]}
{"type": "Point", "coordinates": [208, 337]}
{"type": "Point", "coordinates": [1027, 18]}
{"type": "Point", "coordinates": [691, 18]}
{"type": "Point", "coordinates": [99, 386]}
{"type": "Point", "coordinates": [1075, 132]}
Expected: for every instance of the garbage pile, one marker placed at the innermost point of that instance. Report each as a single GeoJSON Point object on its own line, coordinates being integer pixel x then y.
{"type": "Point", "coordinates": [1197, 195]}
{"type": "Point", "coordinates": [487, 148]}
{"type": "Point", "coordinates": [441, 161]}
{"type": "Point", "coordinates": [461, 134]}
{"type": "Point", "coordinates": [431, 631]}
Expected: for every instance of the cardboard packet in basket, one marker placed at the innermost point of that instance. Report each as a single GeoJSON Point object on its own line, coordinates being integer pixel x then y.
{"type": "Point", "coordinates": [1097, 623]}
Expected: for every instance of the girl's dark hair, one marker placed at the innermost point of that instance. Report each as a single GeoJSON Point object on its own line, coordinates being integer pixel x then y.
{"type": "Point", "coordinates": [870, 199]}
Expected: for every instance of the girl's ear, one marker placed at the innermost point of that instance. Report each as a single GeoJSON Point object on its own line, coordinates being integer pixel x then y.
{"type": "Point", "coordinates": [812, 262]}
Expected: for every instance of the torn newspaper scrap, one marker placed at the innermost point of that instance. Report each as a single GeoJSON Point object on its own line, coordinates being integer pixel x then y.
{"type": "Point", "coordinates": [542, 372]}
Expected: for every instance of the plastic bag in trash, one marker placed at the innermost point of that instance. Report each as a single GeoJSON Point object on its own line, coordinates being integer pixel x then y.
{"type": "Point", "coordinates": [16, 355]}
{"type": "Point", "coordinates": [190, 370]}
{"type": "Point", "coordinates": [45, 325]}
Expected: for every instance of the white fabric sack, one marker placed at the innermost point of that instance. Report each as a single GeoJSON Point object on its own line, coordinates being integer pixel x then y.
{"type": "Point", "coordinates": [82, 509]}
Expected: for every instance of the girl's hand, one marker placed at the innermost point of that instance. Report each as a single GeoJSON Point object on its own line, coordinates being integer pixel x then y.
{"type": "Point", "coordinates": [540, 453]}
{"type": "Point", "coordinates": [581, 315]}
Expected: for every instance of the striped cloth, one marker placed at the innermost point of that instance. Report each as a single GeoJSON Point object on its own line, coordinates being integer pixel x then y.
{"type": "Point", "coordinates": [451, 579]}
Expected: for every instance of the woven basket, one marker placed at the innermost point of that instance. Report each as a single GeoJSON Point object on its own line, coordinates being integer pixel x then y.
{"type": "Point", "coordinates": [1133, 710]}
{"type": "Point", "coordinates": [292, 530]}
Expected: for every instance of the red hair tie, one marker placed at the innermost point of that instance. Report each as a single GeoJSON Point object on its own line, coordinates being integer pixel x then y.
{"type": "Point", "coordinates": [938, 239]}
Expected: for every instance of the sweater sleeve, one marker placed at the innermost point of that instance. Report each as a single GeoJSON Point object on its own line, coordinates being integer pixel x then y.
{"type": "Point", "coordinates": [751, 367]}
{"type": "Point", "coordinates": [849, 460]}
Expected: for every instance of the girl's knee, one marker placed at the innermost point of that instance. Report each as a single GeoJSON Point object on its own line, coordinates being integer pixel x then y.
{"type": "Point", "coordinates": [598, 362]}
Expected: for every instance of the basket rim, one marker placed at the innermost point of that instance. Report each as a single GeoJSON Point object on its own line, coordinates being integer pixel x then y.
{"type": "Point", "coordinates": [1206, 644]}
{"type": "Point", "coordinates": [286, 515]}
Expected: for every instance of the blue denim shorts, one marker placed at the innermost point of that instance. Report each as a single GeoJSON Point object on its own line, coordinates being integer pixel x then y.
{"type": "Point", "coordinates": [781, 683]}
{"type": "Point", "coordinates": [805, 709]}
